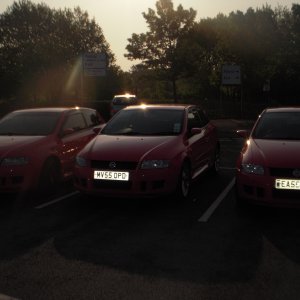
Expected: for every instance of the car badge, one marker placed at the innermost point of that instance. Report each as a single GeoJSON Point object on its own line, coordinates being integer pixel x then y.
{"type": "Point", "coordinates": [296, 173]}
{"type": "Point", "coordinates": [112, 165]}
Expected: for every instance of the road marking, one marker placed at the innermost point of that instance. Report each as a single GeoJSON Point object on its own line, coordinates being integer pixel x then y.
{"type": "Point", "coordinates": [5, 297]}
{"type": "Point", "coordinates": [56, 200]}
{"type": "Point", "coordinates": [204, 218]}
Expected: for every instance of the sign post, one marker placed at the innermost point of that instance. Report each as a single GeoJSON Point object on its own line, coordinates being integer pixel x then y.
{"type": "Point", "coordinates": [232, 76]}
{"type": "Point", "coordinates": [93, 65]}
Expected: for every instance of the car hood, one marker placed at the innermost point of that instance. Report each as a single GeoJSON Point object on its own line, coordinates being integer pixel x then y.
{"type": "Point", "coordinates": [128, 148]}
{"type": "Point", "coordinates": [276, 153]}
{"type": "Point", "coordinates": [9, 144]}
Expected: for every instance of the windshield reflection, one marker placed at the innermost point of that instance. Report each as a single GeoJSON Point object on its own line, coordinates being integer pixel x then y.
{"type": "Point", "coordinates": [145, 122]}
{"type": "Point", "coordinates": [278, 126]}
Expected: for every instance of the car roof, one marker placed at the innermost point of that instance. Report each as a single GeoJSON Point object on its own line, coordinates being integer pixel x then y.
{"type": "Point", "coordinates": [283, 109]}
{"type": "Point", "coordinates": [125, 95]}
{"type": "Point", "coordinates": [160, 106]}
{"type": "Point", "coordinates": [51, 109]}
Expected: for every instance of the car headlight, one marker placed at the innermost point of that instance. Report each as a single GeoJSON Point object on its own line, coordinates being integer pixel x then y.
{"type": "Point", "coordinates": [14, 161]}
{"type": "Point", "coordinates": [155, 164]}
{"type": "Point", "coordinates": [253, 169]}
{"type": "Point", "coordinates": [81, 162]}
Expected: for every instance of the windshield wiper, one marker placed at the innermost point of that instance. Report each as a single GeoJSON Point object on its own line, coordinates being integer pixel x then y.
{"type": "Point", "coordinates": [131, 133]}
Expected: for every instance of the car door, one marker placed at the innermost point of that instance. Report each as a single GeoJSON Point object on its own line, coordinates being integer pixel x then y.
{"type": "Point", "coordinates": [74, 136]}
{"type": "Point", "coordinates": [199, 140]}
{"type": "Point", "coordinates": [77, 130]}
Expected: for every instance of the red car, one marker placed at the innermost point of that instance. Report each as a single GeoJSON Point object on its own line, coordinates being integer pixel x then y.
{"type": "Point", "coordinates": [38, 146]}
{"type": "Point", "coordinates": [268, 168]}
{"type": "Point", "coordinates": [146, 151]}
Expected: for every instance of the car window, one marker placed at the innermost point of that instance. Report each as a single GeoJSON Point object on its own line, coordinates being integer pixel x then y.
{"type": "Point", "coordinates": [278, 125]}
{"type": "Point", "coordinates": [124, 101]}
{"type": "Point", "coordinates": [196, 118]}
{"type": "Point", "coordinates": [29, 123]}
{"type": "Point", "coordinates": [91, 117]}
{"type": "Point", "coordinates": [146, 122]}
{"type": "Point", "coordinates": [74, 122]}
{"type": "Point", "coordinates": [203, 117]}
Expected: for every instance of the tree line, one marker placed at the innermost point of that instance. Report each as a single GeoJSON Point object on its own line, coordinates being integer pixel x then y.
{"type": "Point", "coordinates": [179, 59]}
{"type": "Point", "coordinates": [264, 42]}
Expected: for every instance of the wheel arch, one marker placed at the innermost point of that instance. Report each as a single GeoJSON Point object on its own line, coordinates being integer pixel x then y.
{"type": "Point", "coordinates": [49, 159]}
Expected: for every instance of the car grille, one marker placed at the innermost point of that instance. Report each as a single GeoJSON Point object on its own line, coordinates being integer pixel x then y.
{"type": "Point", "coordinates": [127, 185]}
{"type": "Point", "coordinates": [116, 185]}
{"type": "Point", "coordinates": [254, 191]}
{"type": "Point", "coordinates": [119, 165]}
{"type": "Point", "coordinates": [15, 180]}
{"type": "Point", "coordinates": [286, 194]}
{"type": "Point", "coordinates": [282, 172]}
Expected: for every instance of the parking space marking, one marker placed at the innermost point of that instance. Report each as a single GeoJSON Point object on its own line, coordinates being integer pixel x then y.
{"type": "Point", "coordinates": [57, 200]}
{"type": "Point", "coordinates": [5, 297]}
{"type": "Point", "coordinates": [205, 217]}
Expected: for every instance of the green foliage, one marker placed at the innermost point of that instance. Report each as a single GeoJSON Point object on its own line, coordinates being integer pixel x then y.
{"type": "Point", "coordinates": [39, 49]}
{"type": "Point", "coordinates": [265, 42]}
{"type": "Point", "coordinates": [180, 58]}
{"type": "Point", "coordinates": [157, 48]}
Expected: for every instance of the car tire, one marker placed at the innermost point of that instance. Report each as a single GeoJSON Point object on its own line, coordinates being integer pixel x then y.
{"type": "Point", "coordinates": [184, 182]}
{"type": "Point", "coordinates": [50, 177]}
{"type": "Point", "coordinates": [215, 165]}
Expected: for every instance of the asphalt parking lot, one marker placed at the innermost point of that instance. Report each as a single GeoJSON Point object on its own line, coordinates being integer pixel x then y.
{"type": "Point", "coordinates": [69, 247]}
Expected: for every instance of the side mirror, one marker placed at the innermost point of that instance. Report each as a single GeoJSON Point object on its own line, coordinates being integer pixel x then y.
{"type": "Point", "coordinates": [243, 133]}
{"type": "Point", "coordinates": [67, 131]}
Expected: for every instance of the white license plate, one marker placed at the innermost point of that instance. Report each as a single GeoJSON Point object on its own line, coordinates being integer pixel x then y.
{"type": "Point", "coordinates": [111, 175]}
{"type": "Point", "coordinates": [287, 184]}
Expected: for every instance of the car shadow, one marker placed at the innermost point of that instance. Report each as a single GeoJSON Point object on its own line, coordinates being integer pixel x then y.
{"type": "Point", "coordinates": [281, 226]}
{"type": "Point", "coordinates": [22, 227]}
{"type": "Point", "coordinates": [155, 238]}
{"type": "Point", "coordinates": [161, 239]}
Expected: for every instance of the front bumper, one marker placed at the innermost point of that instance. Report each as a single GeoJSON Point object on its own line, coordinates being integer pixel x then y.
{"type": "Point", "coordinates": [16, 179]}
{"type": "Point", "coordinates": [141, 183]}
{"type": "Point", "coordinates": [260, 189]}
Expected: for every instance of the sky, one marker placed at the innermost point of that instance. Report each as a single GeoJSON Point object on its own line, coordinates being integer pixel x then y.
{"type": "Point", "coordinates": [119, 19]}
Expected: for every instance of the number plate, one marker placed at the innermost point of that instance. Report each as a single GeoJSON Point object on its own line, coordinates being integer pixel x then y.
{"type": "Point", "coordinates": [287, 184]}
{"type": "Point", "coordinates": [111, 175]}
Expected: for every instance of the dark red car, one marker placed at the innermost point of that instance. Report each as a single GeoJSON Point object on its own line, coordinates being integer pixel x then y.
{"type": "Point", "coordinates": [268, 168]}
{"type": "Point", "coordinates": [147, 151]}
{"type": "Point", "coordinates": [38, 146]}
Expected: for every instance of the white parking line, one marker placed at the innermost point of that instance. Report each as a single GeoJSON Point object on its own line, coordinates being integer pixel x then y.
{"type": "Point", "coordinates": [56, 200]}
{"type": "Point", "coordinates": [5, 297]}
{"type": "Point", "coordinates": [204, 218]}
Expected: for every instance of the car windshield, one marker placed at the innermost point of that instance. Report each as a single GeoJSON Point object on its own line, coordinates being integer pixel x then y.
{"type": "Point", "coordinates": [124, 101]}
{"type": "Point", "coordinates": [29, 123]}
{"type": "Point", "coordinates": [146, 122]}
{"type": "Point", "coordinates": [278, 126]}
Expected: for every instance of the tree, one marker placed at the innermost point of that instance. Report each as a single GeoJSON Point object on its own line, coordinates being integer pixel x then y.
{"type": "Point", "coordinates": [39, 48]}
{"type": "Point", "coordinates": [264, 42]}
{"type": "Point", "coordinates": [157, 48]}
